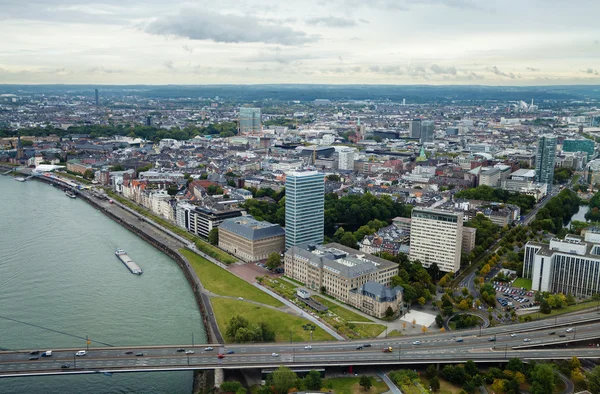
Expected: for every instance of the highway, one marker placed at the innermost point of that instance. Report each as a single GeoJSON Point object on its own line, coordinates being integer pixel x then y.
{"type": "Point", "coordinates": [433, 348]}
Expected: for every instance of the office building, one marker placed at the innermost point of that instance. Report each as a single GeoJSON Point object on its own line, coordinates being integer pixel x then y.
{"type": "Point", "coordinates": [436, 237]}
{"type": "Point", "coordinates": [250, 239]}
{"type": "Point", "coordinates": [568, 266]}
{"type": "Point", "coordinates": [415, 128]}
{"type": "Point", "coordinates": [97, 97]}
{"type": "Point", "coordinates": [304, 207]}
{"type": "Point", "coordinates": [586, 146]}
{"type": "Point", "coordinates": [201, 220]}
{"type": "Point", "coordinates": [468, 239]}
{"type": "Point", "coordinates": [489, 176]}
{"type": "Point", "coordinates": [346, 159]}
{"type": "Point", "coordinates": [359, 279]}
{"type": "Point", "coordinates": [249, 120]}
{"type": "Point", "coordinates": [544, 159]}
{"type": "Point", "coordinates": [426, 131]}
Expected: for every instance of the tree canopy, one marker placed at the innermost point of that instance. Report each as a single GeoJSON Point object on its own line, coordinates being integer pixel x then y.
{"type": "Point", "coordinates": [487, 193]}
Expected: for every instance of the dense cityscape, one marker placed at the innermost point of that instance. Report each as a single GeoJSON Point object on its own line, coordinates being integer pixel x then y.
{"type": "Point", "coordinates": [410, 218]}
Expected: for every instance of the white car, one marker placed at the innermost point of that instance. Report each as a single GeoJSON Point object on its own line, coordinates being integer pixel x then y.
{"type": "Point", "coordinates": [416, 342]}
{"type": "Point", "coordinates": [513, 335]}
{"type": "Point", "coordinates": [308, 347]}
{"type": "Point", "coordinates": [274, 354]}
{"type": "Point", "coordinates": [81, 353]}
{"type": "Point", "coordinates": [208, 349]}
{"type": "Point", "coordinates": [526, 340]}
{"type": "Point", "coordinates": [569, 330]}
{"type": "Point", "coordinates": [189, 352]}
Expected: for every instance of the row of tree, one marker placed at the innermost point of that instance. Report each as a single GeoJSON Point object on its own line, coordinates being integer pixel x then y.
{"type": "Point", "coordinates": [240, 330]}
{"type": "Point", "coordinates": [488, 193]}
{"type": "Point", "coordinates": [557, 212]}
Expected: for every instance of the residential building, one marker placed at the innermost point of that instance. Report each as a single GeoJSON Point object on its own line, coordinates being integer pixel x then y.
{"type": "Point", "coordinates": [202, 219]}
{"type": "Point", "coordinates": [568, 266]}
{"type": "Point", "coordinates": [468, 239]}
{"type": "Point", "coordinates": [436, 237]}
{"type": "Point", "coordinates": [250, 239]}
{"type": "Point", "coordinates": [304, 207]}
{"type": "Point", "coordinates": [346, 159]}
{"type": "Point", "coordinates": [585, 145]}
{"type": "Point", "coordinates": [426, 131]}
{"type": "Point", "coordinates": [544, 159]}
{"type": "Point", "coordinates": [346, 274]}
{"type": "Point", "coordinates": [249, 120]}
{"type": "Point", "coordinates": [75, 165]}
{"type": "Point", "coordinates": [415, 128]}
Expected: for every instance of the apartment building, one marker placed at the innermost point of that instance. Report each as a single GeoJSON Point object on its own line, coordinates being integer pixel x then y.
{"type": "Point", "coordinates": [249, 239]}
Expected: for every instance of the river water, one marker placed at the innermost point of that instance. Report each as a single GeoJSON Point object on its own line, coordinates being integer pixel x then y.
{"type": "Point", "coordinates": [58, 272]}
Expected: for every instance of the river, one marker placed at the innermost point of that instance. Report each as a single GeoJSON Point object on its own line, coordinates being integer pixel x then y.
{"type": "Point", "coordinates": [58, 271]}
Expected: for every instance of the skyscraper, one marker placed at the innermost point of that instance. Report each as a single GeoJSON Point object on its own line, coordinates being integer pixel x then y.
{"type": "Point", "coordinates": [426, 131]}
{"type": "Point", "coordinates": [544, 159]}
{"type": "Point", "coordinates": [415, 128]}
{"type": "Point", "coordinates": [436, 237]}
{"type": "Point", "coordinates": [304, 207]}
{"type": "Point", "coordinates": [249, 120]}
{"type": "Point", "coordinates": [97, 97]}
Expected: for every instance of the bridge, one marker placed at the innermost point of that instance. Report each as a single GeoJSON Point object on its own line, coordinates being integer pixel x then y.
{"type": "Point", "coordinates": [550, 339]}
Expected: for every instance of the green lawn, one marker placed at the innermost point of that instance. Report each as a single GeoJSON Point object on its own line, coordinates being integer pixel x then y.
{"type": "Point", "coordinates": [351, 385]}
{"type": "Point", "coordinates": [394, 333]}
{"type": "Point", "coordinates": [369, 330]}
{"type": "Point", "coordinates": [219, 281]}
{"type": "Point", "coordinates": [342, 312]}
{"type": "Point", "coordinates": [522, 282]}
{"type": "Point", "coordinates": [284, 324]}
{"type": "Point", "coordinates": [566, 309]}
{"type": "Point", "coordinates": [445, 386]}
{"type": "Point", "coordinates": [281, 287]}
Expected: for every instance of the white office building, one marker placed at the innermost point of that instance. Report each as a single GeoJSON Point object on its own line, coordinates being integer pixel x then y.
{"type": "Point", "coordinates": [346, 159]}
{"type": "Point", "coordinates": [304, 207]}
{"type": "Point", "coordinates": [568, 266]}
{"type": "Point", "coordinates": [436, 237]}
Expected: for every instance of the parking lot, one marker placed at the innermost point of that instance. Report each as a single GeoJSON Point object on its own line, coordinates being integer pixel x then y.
{"type": "Point", "coordinates": [514, 298]}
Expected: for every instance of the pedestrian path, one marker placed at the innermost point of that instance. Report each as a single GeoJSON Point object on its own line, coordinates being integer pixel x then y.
{"type": "Point", "coordinates": [393, 388]}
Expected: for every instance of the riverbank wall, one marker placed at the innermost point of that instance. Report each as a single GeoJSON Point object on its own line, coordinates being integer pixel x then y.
{"type": "Point", "coordinates": [211, 328]}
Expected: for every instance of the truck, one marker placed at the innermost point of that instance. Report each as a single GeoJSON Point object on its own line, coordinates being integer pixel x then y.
{"type": "Point", "coordinates": [387, 349]}
{"type": "Point", "coordinates": [47, 353]}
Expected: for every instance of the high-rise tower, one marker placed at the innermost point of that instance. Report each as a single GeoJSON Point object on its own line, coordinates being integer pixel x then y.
{"type": "Point", "coordinates": [544, 159]}
{"type": "Point", "coordinates": [304, 207]}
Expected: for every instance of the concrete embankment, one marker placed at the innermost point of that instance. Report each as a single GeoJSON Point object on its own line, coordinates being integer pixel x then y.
{"type": "Point", "coordinates": [168, 245]}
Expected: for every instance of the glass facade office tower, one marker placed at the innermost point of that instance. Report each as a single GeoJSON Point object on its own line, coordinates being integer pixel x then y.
{"type": "Point", "coordinates": [249, 120]}
{"type": "Point", "coordinates": [415, 128]}
{"type": "Point", "coordinates": [426, 131]}
{"type": "Point", "coordinates": [544, 159]}
{"type": "Point", "coordinates": [304, 207]}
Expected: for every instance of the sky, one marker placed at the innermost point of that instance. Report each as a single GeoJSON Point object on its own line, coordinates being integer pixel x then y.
{"type": "Point", "coordinates": [437, 42]}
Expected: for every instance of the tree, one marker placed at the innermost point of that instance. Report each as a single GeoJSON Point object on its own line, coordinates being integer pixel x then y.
{"type": "Point", "coordinates": [365, 382]}
{"type": "Point", "coordinates": [213, 236]}
{"type": "Point", "coordinates": [389, 312]}
{"type": "Point", "coordinates": [439, 320]}
{"type": "Point", "coordinates": [498, 385]}
{"type": "Point", "coordinates": [333, 178]}
{"type": "Point", "coordinates": [273, 261]}
{"type": "Point", "coordinates": [235, 323]}
{"type": "Point", "coordinates": [594, 380]}
{"type": "Point", "coordinates": [574, 364]}
{"type": "Point", "coordinates": [312, 381]}
{"type": "Point", "coordinates": [172, 190]}
{"type": "Point", "coordinates": [230, 387]}
{"type": "Point", "coordinates": [284, 379]}
{"type": "Point", "coordinates": [542, 379]}
{"type": "Point", "coordinates": [434, 382]}
{"type": "Point", "coordinates": [545, 307]}
{"type": "Point", "coordinates": [88, 174]}
{"type": "Point", "coordinates": [471, 368]}
{"type": "Point", "coordinates": [431, 371]}
{"type": "Point", "coordinates": [117, 167]}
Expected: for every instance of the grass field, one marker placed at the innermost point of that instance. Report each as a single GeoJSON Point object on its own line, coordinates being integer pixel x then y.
{"type": "Point", "coordinates": [219, 281]}
{"type": "Point", "coordinates": [567, 309]}
{"type": "Point", "coordinates": [522, 282]}
{"type": "Point", "coordinates": [369, 330]}
{"type": "Point", "coordinates": [394, 333]}
{"type": "Point", "coordinates": [286, 326]}
{"type": "Point", "coordinates": [352, 386]}
{"type": "Point", "coordinates": [342, 312]}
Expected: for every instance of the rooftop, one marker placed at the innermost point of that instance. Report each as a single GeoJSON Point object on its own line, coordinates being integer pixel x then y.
{"type": "Point", "coordinates": [250, 228]}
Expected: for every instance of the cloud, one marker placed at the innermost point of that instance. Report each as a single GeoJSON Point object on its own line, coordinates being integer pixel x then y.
{"type": "Point", "coordinates": [278, 55]}
{"type": "Point", "coordinates": [442, 70]}
{"type": "Point", "coordinates": [187, 48]}
{"type": "Point", "coordinates": [532, 69]}
{"type": "Point", "coordinates": [206, 25]}
{"type": "Point", "coordinates": [331, 21]}
{"type": "Point", "coordinates": [103, 70]}
{"type": "Point", "coordinates": [169, 64]}
{"type": "Point", "coordinates": [496, 71]}
{"type": "Point", "coordinates": [591, 71]}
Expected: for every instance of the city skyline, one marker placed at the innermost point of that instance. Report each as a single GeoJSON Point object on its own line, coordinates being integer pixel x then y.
{"type": "Point", "coordinates": [340, 42]}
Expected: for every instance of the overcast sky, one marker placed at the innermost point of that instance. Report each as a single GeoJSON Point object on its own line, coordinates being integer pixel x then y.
{"type": "Point", "coordinates": [491, 42]}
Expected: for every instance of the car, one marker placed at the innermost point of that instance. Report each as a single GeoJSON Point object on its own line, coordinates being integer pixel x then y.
{"type": "Point", "coordinates": [552, 333]}
{"type": "Point", "coordinates": [34, 358]}
{"type": "Point", "coordinates": [416, 342]}
{"type": "Point", "coordinates": [189, 352]}
{"type": "Point", "coordinates": [492, 339]}
{"type": "Point", "coordinates": [81, 353]}
{"type": "Point", "coordinates": [230, 352]}
{"type": "Point", "coordinates": [220, 355]}
{"type": "Point", "coordinates": [34, 352]}
{"type": "Point", "coordinates": [274, 354]}
{"type": "Point", "coordinates": [129, 352]}
{"type": "Point", "coordinates": [208, 349]}
{"type": "Point", "coordinates": [359, 348]}
{"type": "Point", "coordinates": [569, 330]}
{"type": "Point", "coordinates": [562, 335]}
{"type": "Point", "coordinates": [526, 340]}
{"type": "Point", "coordinates": [241, 298]}
{"type": "Point", "coordinates": [65, 366]}
{"type": "Point", "coordinates": [459, 340]}
{"type": "Point", "coordinates": [367, 345]}
{"type": "Point", "coordinates": [308, 347]}
{"type": "Point", "coordinates": [139, 354]}
{"type": "Point", "coordinates": [513, 335]}
{"type": "Point", "coordinates": [180, 350]}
